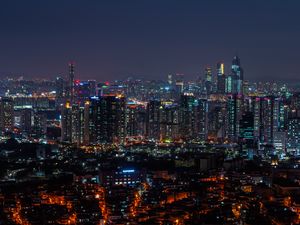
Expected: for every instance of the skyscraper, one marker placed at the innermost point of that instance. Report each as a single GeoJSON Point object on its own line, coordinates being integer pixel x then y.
{"type": "Point", "coordinates": [220, 78]}
{"type": "Point", "coordinates": [237, 75]}
{"type": "Point", "coordinates": [208, 80]}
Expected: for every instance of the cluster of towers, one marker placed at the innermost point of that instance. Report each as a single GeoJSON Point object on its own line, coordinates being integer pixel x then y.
{"type": "Point", "coordinates": [225, 84]}
{"type": "Point", "coordinates": [219, 108]}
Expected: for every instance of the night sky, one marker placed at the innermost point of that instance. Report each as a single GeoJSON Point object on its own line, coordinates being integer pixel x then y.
{"type": "Point", "coordinates": [149, 39]}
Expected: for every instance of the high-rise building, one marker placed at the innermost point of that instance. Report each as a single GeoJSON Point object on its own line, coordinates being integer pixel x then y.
{"type": "Point", "coordinates": [193, 117]}
{"type": "Point", "coordinates": [187, 116]}
{"type": "Point", "coordinates": [264, 119]}
{"type": "Point", "coordinates": [216, 121]}
{"type": "Point", "coordinates": [59, 90]}
{"type": "Point", "coordinates": [234, 114]}
{"type": "Point", "coordinates": [107, 119]}
{"type": "Point", "coordinates": [39, 124]}
{"type": "Point", "coordinates": [66, 122]}
{"type": "Point", "coordinates": [153, 126]}
{"type": "Point", "coordinates": [237, 76]}
{"type": "Point", "coordinates": [201, 118]}
{"type": "Point", "coordinates": [6, 114]}
{"type": "Point", "coordinates": [70, 85]}
{"type": "Point", "coordinates": [208, 74]}
{"type": "Point", "coordinates": [169, 121]}
{"type": "Point", "coordinates": [246, 129]}
{"type": "Point", "coordinates": [26, 120]}
{"type": "Point", "coordinates": [220, 78]}
{"type": "Point", "coordinates": [77, 127]}
{"type": "Point", "coordinates": [293, 135]}
{"type": "Point", "coordinates": [94, 121]}
{"type": "Point", "coordinates": [208, 80]}
{"type": "Point", "coordinates": [135, 120]}
{"type": "Point", "coordinates": [229, 84]}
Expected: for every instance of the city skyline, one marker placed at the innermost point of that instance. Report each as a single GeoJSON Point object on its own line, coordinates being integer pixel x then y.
{"type": "Point", "coordinates": [116, 40]}
{"type": "Point", "coordinates": [149, 112]}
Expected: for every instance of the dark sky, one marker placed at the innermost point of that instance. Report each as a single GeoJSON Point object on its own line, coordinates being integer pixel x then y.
{"type": "Point", "coordinates": [149, 38]}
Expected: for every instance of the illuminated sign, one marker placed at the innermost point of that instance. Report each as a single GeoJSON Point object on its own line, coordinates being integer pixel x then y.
{"type": "Point", "coordinates": [128, 171]}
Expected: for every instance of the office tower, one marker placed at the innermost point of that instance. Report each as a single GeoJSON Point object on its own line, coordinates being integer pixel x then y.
{"type": "Point", "coordinates": [169, 121]}
{"type": "Point", "coordinates": [238, 75]}
{"type": "Point", "coordinates": [220, 78]}
{"type": "Point", "coordinates": [246, 129]}
{"type": "Point", "coordinates": [208, 80]}
{"type": "Point", "coordinates": [6, 114]}
{"type": "Point", "coordinates": [153, 127]}
{"type": "Point", "coordinates": [66, 122]}
{"type": "Point", "coordinates": [234, 113]}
